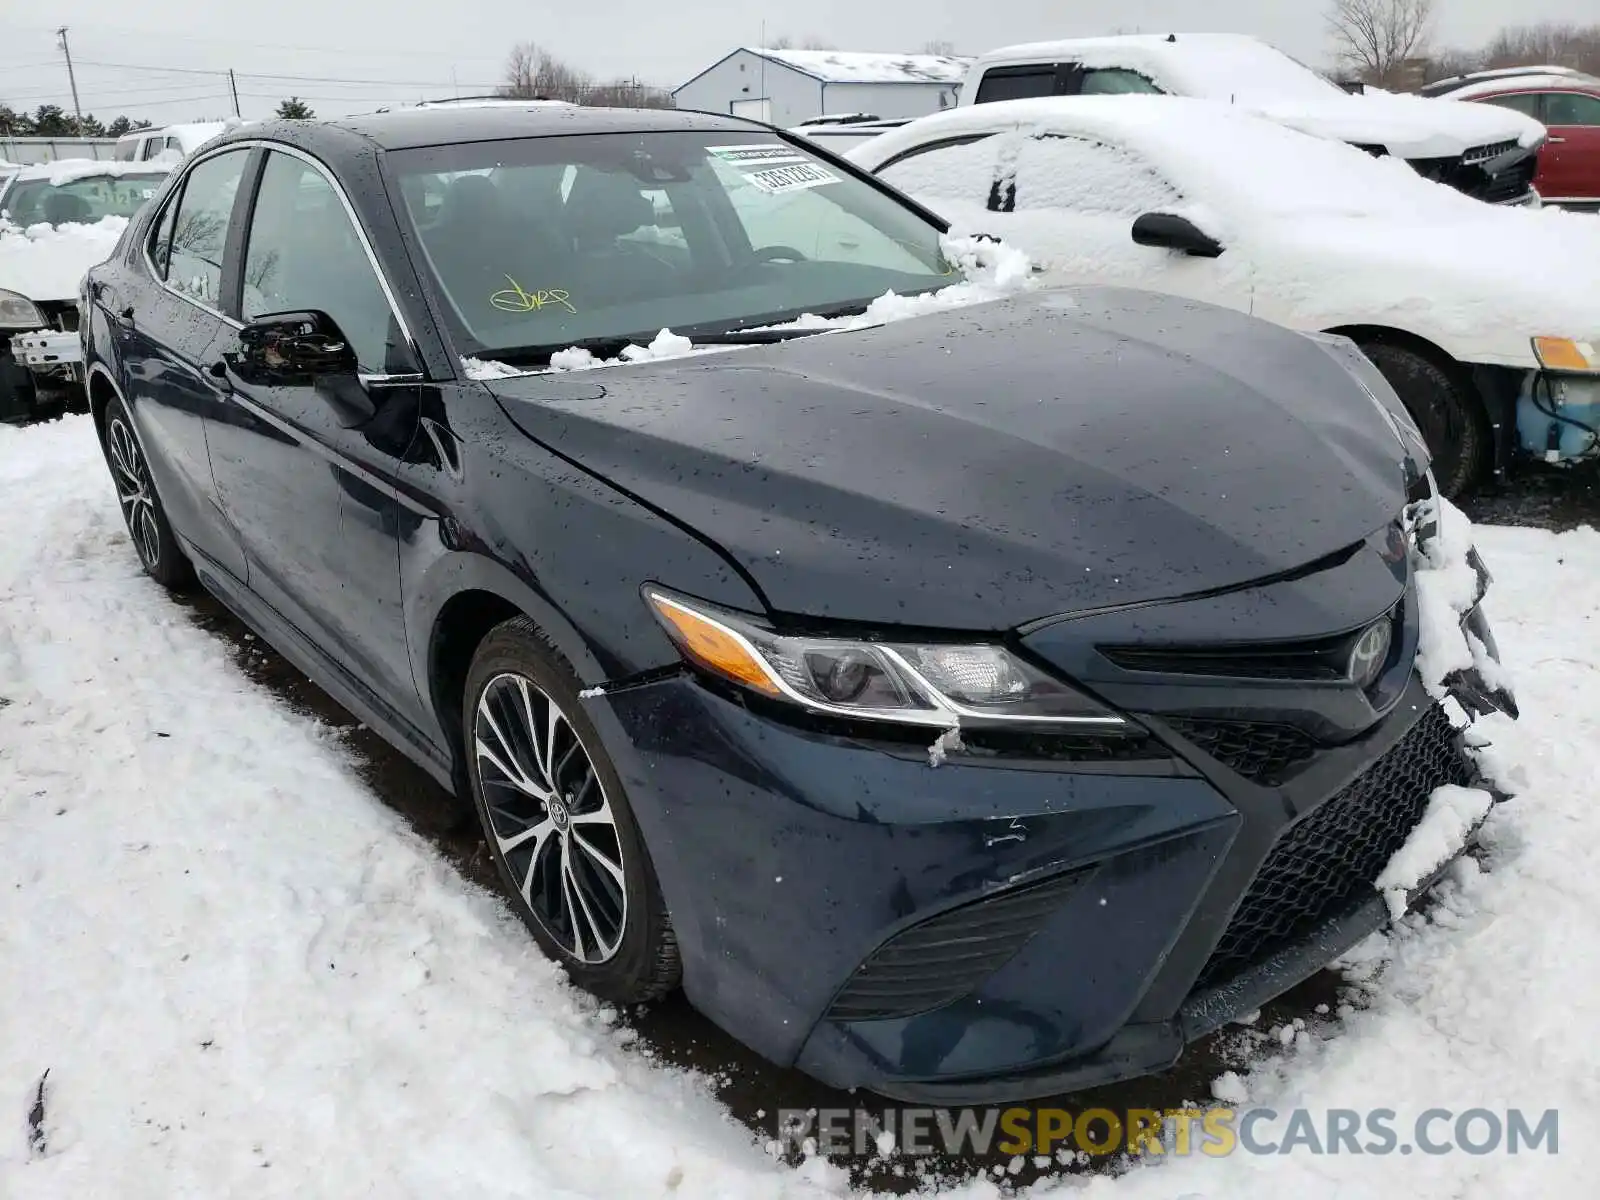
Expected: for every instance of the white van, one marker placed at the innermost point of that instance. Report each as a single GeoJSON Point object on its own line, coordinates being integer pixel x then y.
{"type": "Point", "coordinates": [170, 144]}
{"type": "Point", "coordinates": [1491, 159]}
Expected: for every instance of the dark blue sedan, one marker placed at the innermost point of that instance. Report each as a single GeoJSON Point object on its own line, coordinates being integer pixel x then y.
{"type": "Point", "coordinates": [970, 706]}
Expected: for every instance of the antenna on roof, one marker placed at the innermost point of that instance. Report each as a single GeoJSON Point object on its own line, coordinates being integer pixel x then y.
{"type": "Point", "coordinates": [1172, 37]}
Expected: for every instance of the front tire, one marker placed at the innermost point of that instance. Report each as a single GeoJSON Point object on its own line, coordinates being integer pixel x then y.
{"type": "Point", "coordinates": [558, 824]}
{"type": "Point", "coordinates": [153, 539]}
{"type": "Point", "coordinates": [1449, 418]}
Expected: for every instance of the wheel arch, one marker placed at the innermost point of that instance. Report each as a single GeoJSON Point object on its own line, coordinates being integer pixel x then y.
{"type": "Point", "coordinates": [1405, 340]}
{"type": "Point", "coordinates": [102, 390]}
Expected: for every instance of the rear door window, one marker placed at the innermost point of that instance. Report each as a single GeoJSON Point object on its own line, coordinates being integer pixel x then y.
{"type": "Point", "coordinates": [1017, 83]}
{"type": "Point", "coordinates": [1522, 102]}
{"type": "Point", "coordinates": [200, 229]}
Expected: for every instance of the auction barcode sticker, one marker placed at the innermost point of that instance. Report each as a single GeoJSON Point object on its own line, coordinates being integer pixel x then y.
{"type": "Point", "coordinates": [791, 178]}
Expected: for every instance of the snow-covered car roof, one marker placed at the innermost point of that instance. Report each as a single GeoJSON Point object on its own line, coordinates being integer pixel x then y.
{"type": "Point", "coordinates": [69, 170]}
{"type": "Point", "coordinates": [1228, 155]}
{"type": "Point", "coordinates": [838, 66]}
{"type": "Point", "coordinates": [1440, 87]}
{"type": "Point", "coordinates": [1524, 83]}
{"type": "Point", "coordinates": [1237, 69]}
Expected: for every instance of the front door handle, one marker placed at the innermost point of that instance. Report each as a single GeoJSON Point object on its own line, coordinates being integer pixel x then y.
{"type": "Point", "coordinates": [1555, 141]}
{"type": "Point", "coordinates": [124, 316]}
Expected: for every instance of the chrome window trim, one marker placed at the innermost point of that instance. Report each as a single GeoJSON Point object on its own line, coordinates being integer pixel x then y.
{"type": "Point", "coordinates": [350, 212]}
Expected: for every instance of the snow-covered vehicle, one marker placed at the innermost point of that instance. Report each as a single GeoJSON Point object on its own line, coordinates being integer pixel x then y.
{"type": "Point", "coordinates": [1486, 320]}
{"type": "Point", "coordinates": [1489, 155]}
{"type": "Point", "coordinates": [56, 221]}
{"type": "Point", "coordinates": [844, 131]}
{"type": "Point", "coordinates": [170, 144]}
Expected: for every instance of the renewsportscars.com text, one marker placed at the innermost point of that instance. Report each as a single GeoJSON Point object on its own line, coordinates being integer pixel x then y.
{"type": "Point", "coordinates": [1214, 1132]}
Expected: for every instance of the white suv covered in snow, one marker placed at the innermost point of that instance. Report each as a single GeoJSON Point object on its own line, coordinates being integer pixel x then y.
{"type": "Point", "coordinates": [1491, 156]}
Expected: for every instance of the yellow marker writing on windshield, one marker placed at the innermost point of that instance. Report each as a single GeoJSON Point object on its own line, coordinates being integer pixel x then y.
{"type": "Point", "coordinates": [516, 299]}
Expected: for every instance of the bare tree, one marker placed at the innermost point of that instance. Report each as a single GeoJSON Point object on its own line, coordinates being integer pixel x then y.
{"type": "Point", "coordinates": [787, 41]}
{"type": "Point", "coordinates": [1576, 46]}
{"type": "Point", "coordinates": [534, 73]}
{"type": "Point", "coordinates": [1380, 39]}
{"type": "Point", "coordinates": [940, 47]}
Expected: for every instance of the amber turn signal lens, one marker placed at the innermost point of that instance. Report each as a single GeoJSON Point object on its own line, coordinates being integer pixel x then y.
{"type": "Point", "coordinates": [1564, 354]}
{"type": "Point", "coordinates": [713, 646]}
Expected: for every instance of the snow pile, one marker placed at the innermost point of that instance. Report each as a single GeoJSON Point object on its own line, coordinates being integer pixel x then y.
{"type": "Point", "coordinates": [1451, 816]}
{"type": "Point", "coordinates": [244, 976]}
{"type": "Point", "coordinates": [992, 271]}
{"type": "Point", "coordinates": [47, 262]}
{"type": "Point", "coordinates": [1447, 588]}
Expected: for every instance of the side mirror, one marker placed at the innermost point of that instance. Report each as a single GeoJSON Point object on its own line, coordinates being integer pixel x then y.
{"type": "Point", "coordinates": [304, 349]}
{"type": "Point", "coordinates": [293, 348]}
{"type": "Point", "coordinates": [1168, 231]}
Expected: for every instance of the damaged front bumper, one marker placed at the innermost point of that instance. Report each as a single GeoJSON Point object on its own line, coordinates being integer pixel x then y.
{"type": "Point", "coordinates": [41, 374]}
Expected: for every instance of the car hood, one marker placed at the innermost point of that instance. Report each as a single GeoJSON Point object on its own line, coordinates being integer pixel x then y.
{"type": "Point", "coordinates": [47, 262]}
{"type": "Point", "coordinates": [986, 466]}
{"type": "Point", "coordinates": [1406, 126]}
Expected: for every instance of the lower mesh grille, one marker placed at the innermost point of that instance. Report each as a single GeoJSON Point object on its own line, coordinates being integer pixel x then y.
{"type": "Point", "coordinates": [1327, 863]}
{"type": "Point", "coordinates": [938, 961]}
{"type": "Point", "coordinates": [1263, 753]}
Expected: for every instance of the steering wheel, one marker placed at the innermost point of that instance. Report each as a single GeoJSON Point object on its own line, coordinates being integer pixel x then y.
{"type": "Point", "coordinates": [779, 253]}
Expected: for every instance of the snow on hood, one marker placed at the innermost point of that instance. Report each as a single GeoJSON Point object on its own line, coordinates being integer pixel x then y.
{"type": "Point", "coordinates": [992, 271]}
{"type": "Point", "coordinates": [1406, 126]}
{"type": "Point", "coordinates": [47, 262]}
{"type": "Point", "coordinates": [1247, 73]}
{"type": "Point", "coordinates": [70, 170]}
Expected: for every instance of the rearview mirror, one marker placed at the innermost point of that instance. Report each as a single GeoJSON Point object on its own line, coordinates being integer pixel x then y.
{"type": "Point", "coordinates": [293, 348]}
{"type": "Point", "coordinates": [1168, 231]}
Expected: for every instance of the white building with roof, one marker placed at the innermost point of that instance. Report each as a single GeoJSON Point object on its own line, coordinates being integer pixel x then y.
{"type": "Point", "coordinates": [786, 87]}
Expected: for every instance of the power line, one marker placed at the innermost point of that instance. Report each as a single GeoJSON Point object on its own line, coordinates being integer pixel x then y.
{"type": "Point", "coordinates": [289, 78]}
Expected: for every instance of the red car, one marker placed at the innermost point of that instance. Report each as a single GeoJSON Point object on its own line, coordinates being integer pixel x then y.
{"type": "Point", "coordinates": [1568, 104]}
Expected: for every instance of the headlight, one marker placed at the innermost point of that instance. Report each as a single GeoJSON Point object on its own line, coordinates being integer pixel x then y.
{"type": "Point", "coordinates": [18, 312]}
{"type": "Point", "coordinates": [1566, 354]}
{"type": "Point", "coordinates": [908, 683]}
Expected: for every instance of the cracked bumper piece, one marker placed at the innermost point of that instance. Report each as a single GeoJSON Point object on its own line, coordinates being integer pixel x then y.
{"type": "Point", "coordinates": [47, 348]}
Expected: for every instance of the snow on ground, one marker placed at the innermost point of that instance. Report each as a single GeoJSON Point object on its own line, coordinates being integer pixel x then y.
{"type": "Point", "coordinates": [247, 978]}
{"type": "Point", "coordinates": [243, 974]}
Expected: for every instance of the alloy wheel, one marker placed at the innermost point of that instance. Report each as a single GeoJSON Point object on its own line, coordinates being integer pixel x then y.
{"type": "Point", "coordinates": [552, 823]}
{"type": "Point", "coordinates": [134, 493]}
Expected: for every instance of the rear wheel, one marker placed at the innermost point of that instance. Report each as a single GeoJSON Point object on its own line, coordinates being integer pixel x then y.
{"type": "Point", "coordinates": [152, 535]}
{"type": "Point", "coordinates": [558, 824]}
{"type": "Point", "coordinates": [1448, 416]}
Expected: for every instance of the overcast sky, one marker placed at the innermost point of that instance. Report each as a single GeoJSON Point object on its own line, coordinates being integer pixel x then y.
{"type": "Point", "coordinates": [158, 59]}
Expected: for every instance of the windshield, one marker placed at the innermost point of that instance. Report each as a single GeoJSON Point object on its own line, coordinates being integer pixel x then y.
{"type": "Point", "coordinates": [81, 201]}
{"type": "Point", "coordinates": [543, 243]}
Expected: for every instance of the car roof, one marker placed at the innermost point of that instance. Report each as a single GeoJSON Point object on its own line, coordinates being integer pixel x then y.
{"type": "Point", "coordinates": [1506, 85]}
{"type": "Point", "coordinates": [446, 124]}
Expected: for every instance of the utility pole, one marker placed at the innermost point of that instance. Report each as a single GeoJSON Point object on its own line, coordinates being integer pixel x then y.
{"type": "Point", "coordinates": [77, 110]}
{"type": "Point", "coordinates": [233, 86]}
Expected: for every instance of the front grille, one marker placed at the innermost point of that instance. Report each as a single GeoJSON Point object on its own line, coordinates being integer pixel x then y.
{"type": "Point", "coordinates": [1480, 154]}
{"type": "Point", "coordinates": [939, 960]}
{"type": "Point", "coordinates": [1326, 863]}
{"type": "Point", "coordinates": [1321, 658]}
{"type": "Point", "coordinates": [1262, 752]}
{"type": "Point", "coordinates": [1469, 176]}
